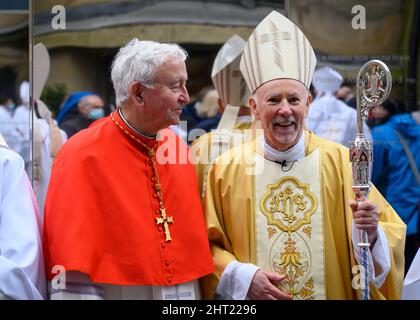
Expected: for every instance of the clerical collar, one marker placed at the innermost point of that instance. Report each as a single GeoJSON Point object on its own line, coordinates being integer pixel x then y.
{"type": "Point", "coordinates": [132, 128]}
{"type": "Point", "coordinates": [297, 152]}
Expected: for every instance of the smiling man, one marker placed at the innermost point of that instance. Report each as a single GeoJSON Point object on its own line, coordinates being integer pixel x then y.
{"type": "Point", "coordinates": [116, 219]}
{"type": "Point", "coordinates": [282, 221]}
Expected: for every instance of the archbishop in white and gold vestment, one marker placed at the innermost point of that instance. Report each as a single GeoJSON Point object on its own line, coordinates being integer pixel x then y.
{"type": "Point", "coordinates": [296, 220]}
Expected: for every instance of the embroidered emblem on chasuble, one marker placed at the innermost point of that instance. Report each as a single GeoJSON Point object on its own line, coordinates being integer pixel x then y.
{"type": "Point", "coordinates": [289, 225]}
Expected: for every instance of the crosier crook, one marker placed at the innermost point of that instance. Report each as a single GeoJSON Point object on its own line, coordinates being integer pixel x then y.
{"type": "Point", "coordinates": [374, 84]}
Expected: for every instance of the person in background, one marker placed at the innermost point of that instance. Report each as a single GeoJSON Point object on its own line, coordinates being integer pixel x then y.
{"type": "Point", "coordinates": [392, 170]}
{"type": "Point", "coordinates": [382, 113]}
{"type": "Point", "coordinates": [47, 140]}
{"type": "Point", "coordinates": [79, 111]}
{"type": "Point", "coordinates": [346, 94]}
{"type": "Point", "coordinates": [8, 128]}
{"type": "Point", "coordinates": [329, 117]}
{"type": "Point", "coordinates": [236, 114]}
{"type": "Point", "coordinates": [208, 110]}
{"type": "Point", "coordinates": [22, 274]}
{"type": "Point", "coordinates": [21, 118]}
{"type": "Point", "coordinates": [9, 104]}
{"type": "Point", "coordinates": [189, 111]}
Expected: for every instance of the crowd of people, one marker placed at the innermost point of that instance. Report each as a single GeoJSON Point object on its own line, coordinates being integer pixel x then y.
{"type": "Point", "coordinates": [264, 209]}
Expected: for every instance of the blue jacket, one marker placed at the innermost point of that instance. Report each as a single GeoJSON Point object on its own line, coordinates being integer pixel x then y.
{"type": "Point", "coordinates": [392, 173]}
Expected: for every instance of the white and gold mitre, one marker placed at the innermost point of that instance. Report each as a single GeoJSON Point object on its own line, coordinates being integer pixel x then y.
{"type": "Point", "coordinates": [226, 76]}
{"type": "Point", "coordinates": [277, 49]}
{"type": "Point", "coordinates": [326, 80]}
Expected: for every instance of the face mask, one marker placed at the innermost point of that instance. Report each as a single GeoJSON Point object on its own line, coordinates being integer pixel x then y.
{"type": "Point", "coordinates": [96, 113]}
{"type": "Point", "coordinates": [11, 106]}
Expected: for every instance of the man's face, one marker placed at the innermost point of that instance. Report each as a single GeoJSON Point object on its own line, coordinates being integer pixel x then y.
{"type": "Point", "coordinates": [378, 115]}
{"type": "Point", "coordinates": [163, 103]}
{"type": "Point", "coordinates": [282, 106]}
{"type": "Point", "coordinates": [343, 92]}
{"type": "Point", "coordinates": [88, 103]}
{"type": "Point", "coordinates": [379, 112]}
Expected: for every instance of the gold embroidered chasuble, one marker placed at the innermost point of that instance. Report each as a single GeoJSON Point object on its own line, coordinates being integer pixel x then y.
{"type": "Point", "coordinates": [231, 202]}
{"type": "Point", "coordinates": [288, 223]}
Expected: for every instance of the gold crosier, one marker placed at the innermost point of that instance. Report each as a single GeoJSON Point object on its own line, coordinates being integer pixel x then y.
{"type": "Point", "coordinates": [163, 219]}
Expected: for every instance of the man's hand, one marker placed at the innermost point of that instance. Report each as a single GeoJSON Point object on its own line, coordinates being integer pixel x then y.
{"type": "Point", "coordinates": [262, 287]}
{"type": "Point", "coordinates": [366, 217]}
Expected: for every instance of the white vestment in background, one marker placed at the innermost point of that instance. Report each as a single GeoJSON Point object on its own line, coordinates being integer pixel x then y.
{"type": "Point", "coordinates": [21, 119]}
{"type": "Point", "coordinates": [9, 131]}
{"type": "Point", "coordinates": [22, 274]}
{"type": "Point", "coordinates": [332, 119]}
{"type": "Point", "coordinates": [43, 159]}
{"type": "Point", "coordinates": [411, 289]}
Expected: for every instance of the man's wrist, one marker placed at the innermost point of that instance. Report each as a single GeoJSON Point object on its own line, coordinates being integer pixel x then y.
{"type": "Point", "coordinates": [372, 237]}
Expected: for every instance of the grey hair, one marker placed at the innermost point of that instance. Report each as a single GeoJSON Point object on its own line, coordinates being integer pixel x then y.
{"type": "Point", "coordinates": [85, 100]}
{"type": "Point", "coordinates": [139, 61]}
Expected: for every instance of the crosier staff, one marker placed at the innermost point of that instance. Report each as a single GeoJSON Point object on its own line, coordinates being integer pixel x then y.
{"type": "Point", "coordinates": [374, 84]}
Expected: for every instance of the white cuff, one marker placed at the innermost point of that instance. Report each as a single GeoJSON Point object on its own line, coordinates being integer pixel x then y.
{"type": "Point", "coordinates": [235, 281]}
{"type": "Point", "coordinates": [378, 256]}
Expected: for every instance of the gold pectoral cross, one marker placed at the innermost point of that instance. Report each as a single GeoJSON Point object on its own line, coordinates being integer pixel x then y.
{"type": "Point", "coordinates": [165, 220]}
